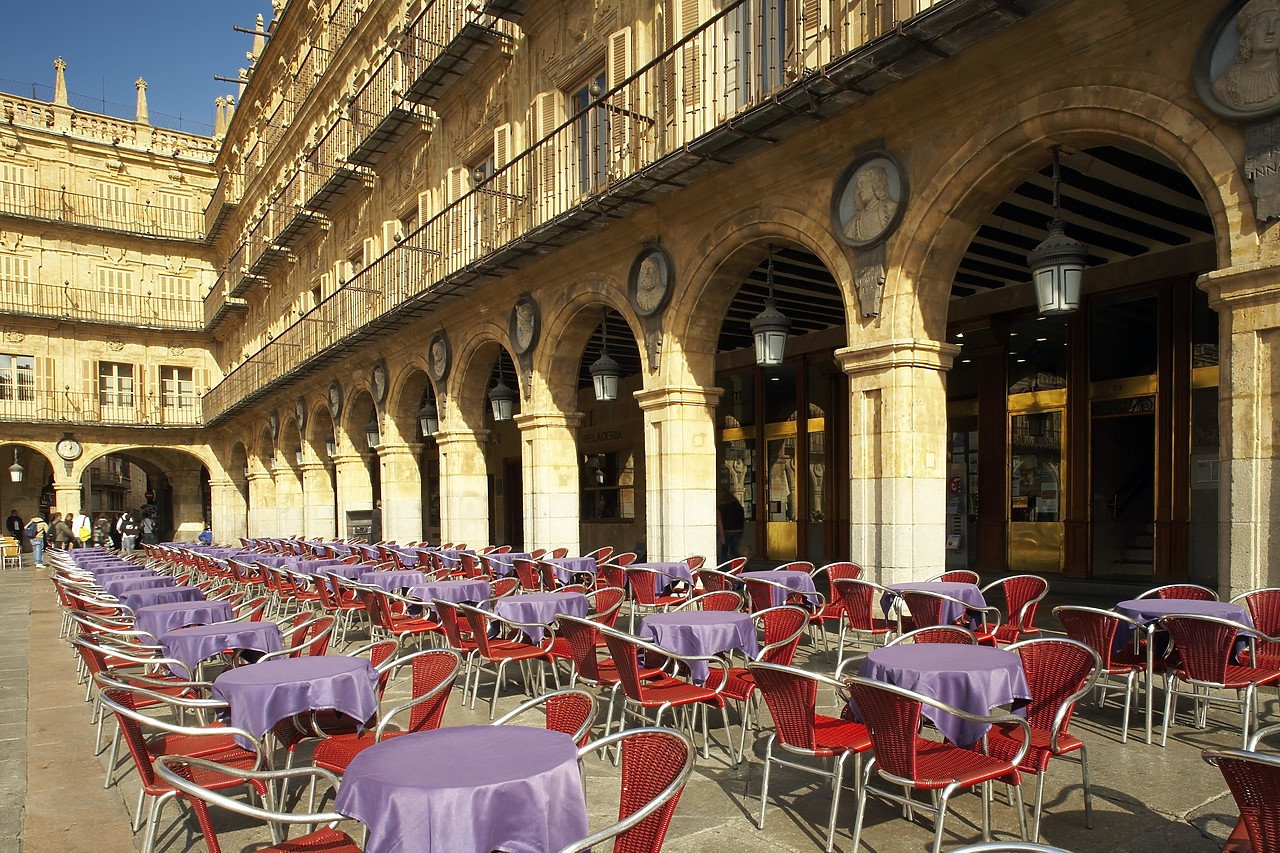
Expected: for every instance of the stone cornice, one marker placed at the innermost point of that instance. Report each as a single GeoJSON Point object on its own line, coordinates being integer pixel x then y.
{"type": "Point", "coordinates": [1242, 285]}
{"type": "Point", "coordinates": [685, 395]}
{"type": "Point", "coordinates": [886, 355]}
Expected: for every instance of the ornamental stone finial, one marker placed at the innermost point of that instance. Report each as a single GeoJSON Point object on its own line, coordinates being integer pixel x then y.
{"type": "Point", "coordinates": [141, 114]}
{"type": "Point", "coordinates": [60, 85]}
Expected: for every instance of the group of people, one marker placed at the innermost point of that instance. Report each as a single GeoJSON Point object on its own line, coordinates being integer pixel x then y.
{"type": "Point", "coordinates": [78, 531]}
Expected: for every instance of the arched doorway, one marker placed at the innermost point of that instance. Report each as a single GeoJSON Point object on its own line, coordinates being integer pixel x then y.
{"type": "Point", "coordinates": [1084, 443]}
{"type": "Point", "coordinates": [783, 431]}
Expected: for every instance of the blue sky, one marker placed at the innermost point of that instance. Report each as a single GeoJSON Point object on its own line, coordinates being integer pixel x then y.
{"type": "Point", "coordinates": [177, 46]}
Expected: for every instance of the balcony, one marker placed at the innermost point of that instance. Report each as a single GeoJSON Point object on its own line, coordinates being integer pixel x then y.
{"type": "Point", "coordinates": [220, 304]}
{"type": "Point", "coordinates": [511, 10]}
{"type": "Point", "coordinates": [262, 253]}
{"type": "Point", "coordinates": [288, 207]}
{"type": "Point", "coordinates": [25, 404]}
{"type": "Point", "coordinates": [329, 174]}
{"type": "Point", "coordinates": [662, 128]}
{"type": "Point", "coordinates": [444, 42]}
{"type": "Point", "coordinates": [226, 196]}
{"type": "Point", "coordinates": [237, 272]}
{"type": "Point", "coordinates": [380, 116]}
{"type": "Point", "coordinates": [124, 217]}
{"type": "Point", "coordinates": [135, 310]}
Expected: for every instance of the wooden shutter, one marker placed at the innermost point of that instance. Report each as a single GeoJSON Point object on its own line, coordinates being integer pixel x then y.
{"type": "Point", "coordinates": [546, 115]}
{"type": "Point", "coordinates": [814, 48]}
{"type": "Point", "coordinates": [15, 193]}
{"type": "Point", "coordinates": [688, 88]}
{"type": "Point", "coordinates": [392, 233]}
{"type": "Point", "coordinates": [461, 217]}
{"type": "Point", "coordinates": [622, 124]}
{"type": "Point", "coordinates": [15, 280]}
{"type": "Point", "coordinates": [113, 205]}
{"type": "Point", "coordinates": [505, 186]}
{"type": "Point", "coordinates": [424, 207]}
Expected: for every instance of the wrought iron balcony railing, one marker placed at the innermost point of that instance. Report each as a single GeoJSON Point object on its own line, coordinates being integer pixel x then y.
{"type": "Point", "coordinates": [59, 205]}
{"type": "Point", "coordinates": [27, 404]}
{"type": "Point", "coordinates": [61, 301]}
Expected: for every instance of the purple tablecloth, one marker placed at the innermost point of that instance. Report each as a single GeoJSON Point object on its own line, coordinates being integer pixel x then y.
{"type": "Point", "coordinates": [159, 619]}
{"type": "Point", "coordinates": [511, 788]}
{"type": "Point", "coordinates": [262, 694]}
{"type": "Point", "coordinates": [111, 567]}
{"type": "Point", "coordinates": [801, 582]}
{"type": "Point", "coordinates": [971, 678]}
{"type": "Point", "coordinates": [678, 569]}
{"type": "Point", "coordinates": [199, 642]}
{"type": "Point", "coordinates": [1148, 610]}
{"type": "Point", "coordinates": [470, 590]}
{"type": "Point", "coordinates": [124, 574]}
{"type": "Point", "coordinates": [316, 565]}
{"type": "Point", "coordinates": [566, 567]}
{"type": "Point", "coordinates": [120, 586]}
{"type": "Point", "coordinates": [139, 598]}
{"type": "Point", "coordinates": [394, 580]}
{"type": "Point", "coordinates": [701, 632]}
{"type": "Point", "coordinates": [966, 592]}
{"type": "Point", "coordinates": [541, 608]}
{"type": "Point", "coordinates": [351, 571]}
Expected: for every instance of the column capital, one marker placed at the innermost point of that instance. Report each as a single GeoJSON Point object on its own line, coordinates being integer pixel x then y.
{"type": "Point", "coordinates": [879, 356]}
{"type": "Point", "coordinates": [682, 395]}
{"type": "Point", "coordinates": [339, 459]}
{"type": "Point", "coordinates": [312, 467]}
{"type": "Point", "coordinates": [479, 438]}
{"type": "Point", "coordinates": [398, 448]}
{"type": "Point", "coordinates": [536, 420]}
{"type": "Point", "coordinates": [1241, 286]}
{"type": "Point", "coordinates": [257, 476]}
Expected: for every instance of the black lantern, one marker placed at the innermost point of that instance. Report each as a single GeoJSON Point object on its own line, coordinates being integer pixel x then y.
{"type": "Point", "coordinates": [502, 398]}
{"type": "Point", "coordinates": [770, 327]}
{"type": "Point", "coordinates": [429, 418]}
{"type": "Point", "coordinates": [371, 431]}
{"type": "Point", "coordinates": [1057, 264]}
{"type": "Point", "coordinates": [605, 372]}
{"type": "Point", "coordinates": [16, 470]}
{"type": "Point", "coordinates": [297, 455]}
{"type": "Point", "coordinates": [330, 445]}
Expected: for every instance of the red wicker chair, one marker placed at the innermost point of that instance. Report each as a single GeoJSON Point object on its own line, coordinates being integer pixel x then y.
{"type": "Point", "coordinates": [1264, 609]}
{"type": "Point", "coordinates": [200, 781]}
{"type": "Point", "coordinates": [434, 671]}
{"type": "Point", "coordinates": [942, 634]}
{"type": "Point", "coordinates": [833, 609]}
{"type": "Point", "coordinates": [656, 764]}
{"type": "Point", "coordinates": [927, 609]}
{"type": "Point", "coordinates": [1205, 645]}
{"type": "Point", "coordinates": [527, 572]}
{"type": "Point", "coordinates": [904, 759]}
{"type": "Point", "coordinates": [500, 651]}
{"type": "Point", "coordinates": [799, 730]}
{"type": "Point", "coordinates": [956, 576]}
{"type": "Point", "coordinates": [1185, 591]}
{"type": "Point", "coordinates": [1022, 595]}
{"type": "Point", "coordinates": [571, 711]}
{"type": "Point", "coordinates": [859, 600]}
{"type": "Point", "coordinates": [1254, 780]}
{"type": "Point", "coordinates": [1059, 672]}
{"type": "Point", "coordinates": [1097, 630]}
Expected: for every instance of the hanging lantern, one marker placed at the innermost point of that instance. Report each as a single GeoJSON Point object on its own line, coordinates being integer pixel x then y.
{"type": "Point", "coordinates": [371, 431]}
{"type": "Point", "coordinates": [770, 327]}
{"type": "Point", "coordinates": [1057, 264]}
{"type": "Point", "coordinates": [428, 418]}
{"type": "Point", "coordinates": [330, 445]}
{"type": "Point", "coordinates": [16, 470]}
{"type": "Point", "coordinates": [605, 372]}
{"type": "Point", "coordinates": [502, 398]}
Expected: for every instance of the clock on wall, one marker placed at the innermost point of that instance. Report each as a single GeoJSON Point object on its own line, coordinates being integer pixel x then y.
{"type": "Point", "coordinates": [68, 448]}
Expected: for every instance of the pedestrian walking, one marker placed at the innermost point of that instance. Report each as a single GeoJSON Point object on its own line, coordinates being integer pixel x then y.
{"type": "Point", "coordinates": [37, 530]}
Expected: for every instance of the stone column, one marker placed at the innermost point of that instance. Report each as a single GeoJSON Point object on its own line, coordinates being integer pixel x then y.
{"type": "Point", "coordinates": [551, 490]}
{"type": "Point", "coordinates": [187, 506]}
{"type": "Point", "coordinates": [680, 471]}
{"type": "Point", "coordinates": [1247, 299]}
{"type": "Point", "coordinates": [464, 487]}
{"type": "Point", "coordinates": [355, 491]}
{"type": "Point", "coordinates": [289, 499]}
{"type": "Point", "coordinates": [897, 464]}
{"type": "Point", "coordinates": [228, 511]}
{"type": "Point", "coordinates": [317, 502]}
{"type": "Point", "coordinates": [262, 504]}
{"type": "Point", "coordinates": [68, 497]}
{"type": "Point", "coordinates": [401, 491]}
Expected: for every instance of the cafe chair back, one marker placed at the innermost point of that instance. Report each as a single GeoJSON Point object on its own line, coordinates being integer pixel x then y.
{"type": "Point", "coordinates": [1185, 591]}
{"type": "Point", "coordinates": [571, 711]}
{"type": "Point", "coordinates": [943, 634]}
{"type": "Point", "coordinates": [656, 765]}
{"type": "Point", "coordinates": [1022, 595]}
{"type": "Point", "coordinates": [309, 637]}
{"type": "Point", "coordinates": [1060, 673]}
{"type": "Point", "coordinates": [833, 609]}
{"type": "Point", "coordinates": [724, 600]}
{"type": "Point", "coordinates": [717, 580]}
{"type": "Point", "coordinates": [497, 645]}
{"type": "Point", "coordinates": [927, 609]}
{"type": "Point", "coordinates": [202, 783]}
{"type": "Point", "coordinates": [800, 731]}
{"type": "Point", "coordinates": [955, 576]}
{"type": "Point", "coordinates": [1254, 780]}
{"type": "Point", "coordinates": [904, 759]}
{"type": "Point", "coordinates": [600, 554]}
{"type": "Point", "coordinates": [1097, 629]}
{"type": "Point", "coordinates": [1264, 610]}
{"type": "Point", "coordinates": [527, 572]}
{"type": "Point", "coordinates": [433, 674]}
{"type": "Point", "coordinates": [860, 600]}
{"type": "Point", "coordinates": [1205, 645]}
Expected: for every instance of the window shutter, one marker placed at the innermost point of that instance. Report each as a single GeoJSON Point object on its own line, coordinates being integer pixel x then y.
{"type": "Point", "coordinates": [15, 194]}
{"type": "Point", "coordinates": [814, 49]}
{"type": "Point", "coordinates": [505, 185]}
{"type": "Point", "coordinates": [15, 279]}
{"type": "Point", "coordinates": [689, 86]}
{"type": "Point", "coordinates": [91, 370]}
{"type": "Point", "coordinates": [622, 125]}
{"type": "Point", "coordinates": [546, 116]}
{"type": "Point", "coordinates": [370, 252]}
{"type": "Point", "coordinates": [392, 233]}
{"type": "Point", "coordinates": [424, 207]}
{"type": "Point", "coordinates": [619, 60]}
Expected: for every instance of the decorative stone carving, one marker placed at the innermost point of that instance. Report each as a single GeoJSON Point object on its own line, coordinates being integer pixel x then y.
{"type": "Point", "coordinates": [177, 349]}
{"type": "Point", "coordinates": [869, 275]}
{"type": "Point", "coordinates": [525, 324]}
{"type": "Point", "coordinates": [115, 346]}
{"type": "Point", "coordinates": [14, 337]}
{"type": "Point", "coordinates": [868, 199]}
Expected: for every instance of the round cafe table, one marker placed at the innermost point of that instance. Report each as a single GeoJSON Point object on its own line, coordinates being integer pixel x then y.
{"type": "Point", "coordinates": [264, 693]}
{"type": "Point", "coordinates": [466, 591]}
{"type": "Point", "coordinates": [701, 633]}
{"type": "Point", "coordinates": [394, 580]}
{"type": "Point", "coordinates": [159, 619]}
{"type": "Point", "coordinates": [511, 788]}
{"type": "Point", "coordinates": [799, 582]}
{"type": "Point", "coordinates": [140, 598]}
{"type": "Point", "coordinates": [540, 608]}
{"type": "Point", "coordinates": [967, 592]}
{"type": "Point", "coordinates": [120, 586]}
{"type": "Point", "coordinates": [566, 567]}
{"type": "Point", "coordinates": [196, 643]}
{"type": "Point", "coordinates": [972, 678]}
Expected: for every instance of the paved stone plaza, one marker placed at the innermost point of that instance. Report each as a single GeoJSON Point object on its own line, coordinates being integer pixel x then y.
{"type": "Point", "coordinates": [1145, 798]}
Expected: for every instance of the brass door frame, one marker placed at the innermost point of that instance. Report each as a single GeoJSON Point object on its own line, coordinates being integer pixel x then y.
{"type": "Point", "coordinates": [1036, 546]}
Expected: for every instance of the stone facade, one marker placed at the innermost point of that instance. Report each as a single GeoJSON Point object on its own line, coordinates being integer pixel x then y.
{"type": "Point", "coordinates": [372, 191]}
